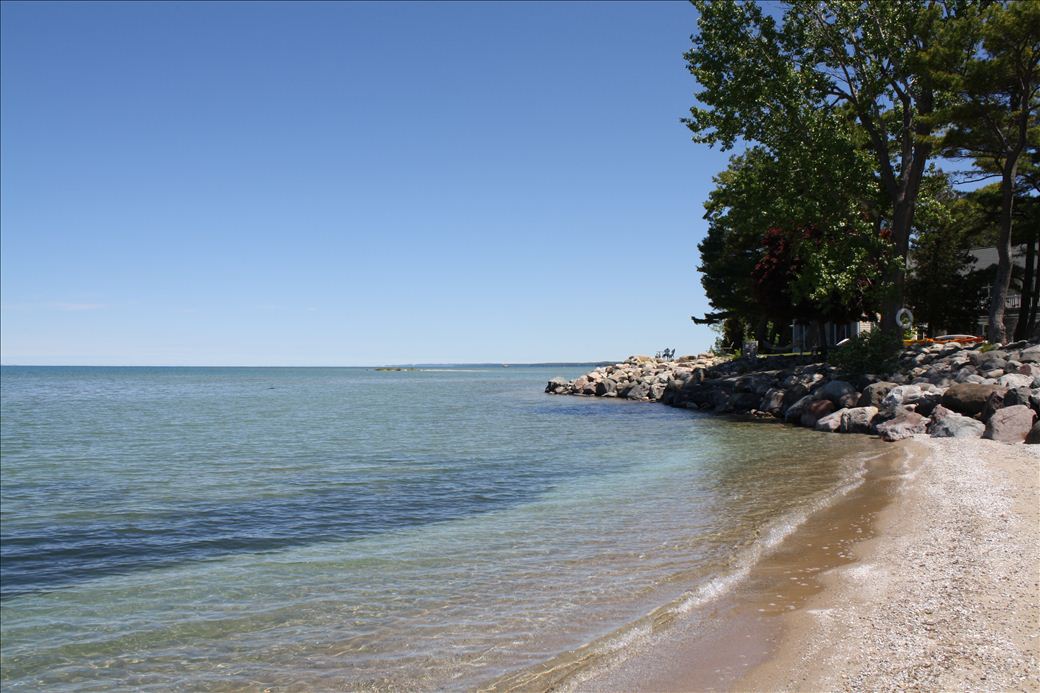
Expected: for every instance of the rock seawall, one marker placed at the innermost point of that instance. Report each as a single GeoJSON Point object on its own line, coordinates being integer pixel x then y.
{"type": "Point", "coordinates": [945, 390]}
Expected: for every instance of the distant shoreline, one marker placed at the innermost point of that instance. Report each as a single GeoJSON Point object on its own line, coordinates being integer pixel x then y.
{"type": "Point", "coordinates": [401, 366]}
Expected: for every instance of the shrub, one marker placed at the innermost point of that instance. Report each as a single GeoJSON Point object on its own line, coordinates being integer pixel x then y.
{"type": "Point", "coordinates": [876, 352]}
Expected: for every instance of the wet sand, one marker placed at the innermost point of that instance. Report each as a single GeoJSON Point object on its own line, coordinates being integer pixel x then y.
{"type": "Point", "coordinates": [927, 576]}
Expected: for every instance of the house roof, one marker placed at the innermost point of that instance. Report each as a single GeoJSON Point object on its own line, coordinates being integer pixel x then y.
{"type": "Point", "coordinates": [987, 257]}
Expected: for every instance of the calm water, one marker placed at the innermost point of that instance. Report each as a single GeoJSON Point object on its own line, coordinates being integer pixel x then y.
{"type": "Point", "coordinates": [352, 529]}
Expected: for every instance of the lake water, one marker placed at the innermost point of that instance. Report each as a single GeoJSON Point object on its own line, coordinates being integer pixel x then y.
{"type": "Point", "coordinates": [230, 528]}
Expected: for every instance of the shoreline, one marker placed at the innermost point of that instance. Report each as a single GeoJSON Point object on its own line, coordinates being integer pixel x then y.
{"type": "Point", "coordinates": [745, 627]}
{"type": "Point", "coordinates": [946, 596]}
{"type": "Point", "coordinates": [928, 579]}
{"type": "Point", "coordinates": [926, 575]}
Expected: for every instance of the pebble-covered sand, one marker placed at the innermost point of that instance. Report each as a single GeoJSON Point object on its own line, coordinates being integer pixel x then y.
{"type": "Point", "coordinates": [947, 597]}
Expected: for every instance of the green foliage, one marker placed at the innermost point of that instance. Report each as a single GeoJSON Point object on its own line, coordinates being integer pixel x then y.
{"type": "Point", "coordinates": [875, 352]}
{"type": "Point", "coordinates": [731, 335]}
{"type": "Point", "coordinates": [944, 288]}
{"type": "Point", "coordinates": [833, 81]}
{"type": "Point", "coordinates": [836, 271]}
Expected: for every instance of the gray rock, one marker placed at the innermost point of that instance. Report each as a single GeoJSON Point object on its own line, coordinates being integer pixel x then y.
{"type": "Point", "coordinates": [1019, 395]}
{"type": "Point", "coordinates": [835, 390]}
{"type": "Point", "coordinates": [873, 394]}
{"type": "Point", "coordinates": [830, 423]}
{"type": "Point", "coordinates": [794, 412]}
{"type": "Point", "coordinates": [1030, 369]}
{"type": "Point", "coordinates": [965, 373]}
{"type": "Point", "coordinates": [607, 386]}
{"type": "Point", "coordinates": [948, 424]}
{"type": "Point", "coordinates": [968, 398]}
{"type": "Point", "coordinates": [743, 401]}
{"type": "Point", "coordinates": [901, 395]}
{"type": "Point", "coordinates": [924, 404]}
{"type": "Point", "coordinates": [772, 401]}
{"type": "Point", "coordinates": [793, 392]}
{"type": "Point", "coordinates": [1016, 380]}
{"type": "Point", "coordinates": [639, 390]}
{"type": "Point", "coordinates": [1030, 354]}
{"type": "Point", "coordinates": [858, 419]}
{"type": "Point", "coordinates": [902, 426]}
{"type": "Point", "coordinates": [557, 385]}
{"type": "Point", "coordinates": [992, 364]}
{"type": "Point", "coordinates": [1010, 424]}
{"type": "Point", "coordinates": [657, 390]}
{"type": "Point", "coordinates": [994, 402]}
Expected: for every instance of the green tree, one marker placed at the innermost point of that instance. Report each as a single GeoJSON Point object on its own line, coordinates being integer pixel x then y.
{"type": "Point", "coordinates": [994, 122]}
{"type": "Point", "coordinates": [873, 62]}
{"type": "Point", "coordinates": [944, 288]}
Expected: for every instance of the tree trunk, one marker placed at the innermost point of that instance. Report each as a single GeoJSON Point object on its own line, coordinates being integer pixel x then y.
{"type": "Point", "coordinates": [1025, 309]}
{"type": "Point", "coordinates": [1034, 294]}
{"type": "Point", "coordinates": [998, 292]}
{"type": "Point", "coordinates": [902, 221]}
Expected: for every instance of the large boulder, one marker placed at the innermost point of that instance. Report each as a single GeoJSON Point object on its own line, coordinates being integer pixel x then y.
{"type": "Point", "coordinates": [830, 423]}
{"type": "Point", "coordinates": [948, 424]}
{"type": "Point", "coordinates": [639, 390]}
{"type": "Point", "coordinates": [772, 401]}
{"type": "Point", "coordinates": [874, 393]}
{"type": "Point", "coordinates": [743, 401]}
{"type": "Point", "coordinates": [557, 386]}
{"type": "Point", "coordinates": [835, 391]}
{"type": "Point", "coordinates": [1030, 354]}
{"type": "Point", "coordinates": [606, 387]}
{"type": "Point", "coordinates": [1010, 424]}
{"type": "Point", "coordinates": [901, 395]}
{"type": "Point", "coordinates": [1012, 380]}
{"type": "Point", "coordinates": [1020, 395]}
{"type": "Point", "coordinates": [793, 414]}
{"type": "Point", "coordinates": [816, 411]}
{"type": "Point", "coordinates": [968, 398]}
{"type": "Point", "coordinates": [902, 426]}
{"type": "Point", "coordinates": [858, 419]}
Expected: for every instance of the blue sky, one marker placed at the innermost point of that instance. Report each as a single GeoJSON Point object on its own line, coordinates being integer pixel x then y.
{"type": "Point", "coordinates": [348, 184]}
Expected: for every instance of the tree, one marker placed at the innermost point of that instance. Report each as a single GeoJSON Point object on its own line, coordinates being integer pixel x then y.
{"type": "Point", "coordinates": [869, 61]}
{"type": "Point", "coordinates": [994, 120]}
{"type": "Point", "coordinates": [944, 288]}
{"type": "Point", "coordinates": [794, 238]}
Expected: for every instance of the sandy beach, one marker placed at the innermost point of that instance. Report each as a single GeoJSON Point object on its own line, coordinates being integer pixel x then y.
{"type": "Point", "coordinates": [946, 596]}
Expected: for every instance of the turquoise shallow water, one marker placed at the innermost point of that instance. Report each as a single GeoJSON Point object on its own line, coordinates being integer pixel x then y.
{"type": "Point", "coordinates": [346, 528]}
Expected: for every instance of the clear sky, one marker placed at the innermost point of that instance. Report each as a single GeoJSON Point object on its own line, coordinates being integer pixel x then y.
{"type": "Point", "coordinates": [348, 184]}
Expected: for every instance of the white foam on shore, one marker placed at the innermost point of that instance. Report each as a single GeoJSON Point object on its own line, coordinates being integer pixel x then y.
{"type": "Point", "coordinates": [774, 534]}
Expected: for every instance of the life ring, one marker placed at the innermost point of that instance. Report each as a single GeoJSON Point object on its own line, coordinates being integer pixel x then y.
{"type": "Point", "coordinates": [904, 318]}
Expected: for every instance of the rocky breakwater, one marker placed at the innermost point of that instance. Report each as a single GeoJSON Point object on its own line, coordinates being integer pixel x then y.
{"type": "Point", "coordinates": [943, 390]}
{"type": "Point", "coordinates": [641, 378]}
